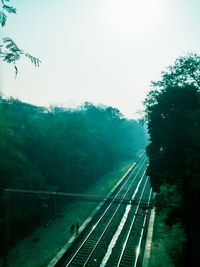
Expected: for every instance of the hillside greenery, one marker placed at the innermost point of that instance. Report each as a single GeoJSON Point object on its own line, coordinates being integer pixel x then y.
{"type": "Point", "coordinates": [58, 149]}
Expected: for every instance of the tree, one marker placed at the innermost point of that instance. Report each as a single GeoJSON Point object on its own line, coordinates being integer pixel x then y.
{"type": "Point", "coordinates": [57, 149]}
{"type": "Point", "coordinates": [186, 70]}
{"type": "Point", "coordinates": [169, 118]}
{"type": "Point", "coordinates": [174, 128]}
{"type": "Point", "coordinates": [9, 51]}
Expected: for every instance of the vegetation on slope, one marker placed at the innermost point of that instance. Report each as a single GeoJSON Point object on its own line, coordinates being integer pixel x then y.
{"type": "Point", "coordinates": [58, 149]}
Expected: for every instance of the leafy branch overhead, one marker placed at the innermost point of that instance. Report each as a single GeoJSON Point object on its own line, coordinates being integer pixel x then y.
{"type": "Point", "coordinates": [9, 51]}
{"type": "Point", "coordinates": [5, 9]}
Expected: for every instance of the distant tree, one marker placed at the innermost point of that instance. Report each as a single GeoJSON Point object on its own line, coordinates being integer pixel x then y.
{"type": "Point", "coordinates": [9, 51]}
{"type": "Point", "coordinates": [58, 149]}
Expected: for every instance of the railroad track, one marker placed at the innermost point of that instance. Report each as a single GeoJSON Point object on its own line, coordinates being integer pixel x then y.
{"type": "Point", "coordinates": [114, 235]}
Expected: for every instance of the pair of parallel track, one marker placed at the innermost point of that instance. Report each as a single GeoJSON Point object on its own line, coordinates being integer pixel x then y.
{"type": "Point", "coordinates": [114, 235]}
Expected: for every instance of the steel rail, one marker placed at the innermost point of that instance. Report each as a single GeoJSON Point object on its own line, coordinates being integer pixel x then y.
{"type": "Point", "coordinates": [110, 221]}
{"type": "Point", "coordinates": [142, 232]}
{"type": "Point", "coordinates": [122, 187]}
{"type": "Point", "coordinates": [131, 227]}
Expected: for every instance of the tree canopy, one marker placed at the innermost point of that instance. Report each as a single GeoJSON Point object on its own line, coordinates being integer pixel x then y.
{"type": "Point", "coordinates": [186, 70]}
{"type": "Point", "coordinates": [172, 112]}
{"type": "Point", "coordinates": [59, 149]}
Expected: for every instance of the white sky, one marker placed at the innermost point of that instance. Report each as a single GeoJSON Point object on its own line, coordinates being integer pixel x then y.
{"type": "Point", "coordinates": [101, 51]}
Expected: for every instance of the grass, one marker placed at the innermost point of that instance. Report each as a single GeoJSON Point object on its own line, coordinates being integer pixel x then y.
{"type": "Point", "coordinates": [167, 243]}
{"type": "Point", "coordinates": [43, 244]}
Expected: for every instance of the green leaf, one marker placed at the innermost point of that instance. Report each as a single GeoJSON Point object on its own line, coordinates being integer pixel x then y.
{"type": "Point", "coordinates": [10, 9]}
{"type": "Point", "coordinates": [34, 60]}
{"type": "Point", "coordinates": [11, 45]}
{"type": "Point", "coordinates": [3, 18]}
{"type": "Point", "coordinates": [11, 57]}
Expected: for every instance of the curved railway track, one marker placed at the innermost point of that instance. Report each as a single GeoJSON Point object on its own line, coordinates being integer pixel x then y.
{"type": "Point", "coordinates": [114, 235]}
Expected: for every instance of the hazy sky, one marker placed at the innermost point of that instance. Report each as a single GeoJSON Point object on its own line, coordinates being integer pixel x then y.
{"type": "Point", "coordinates": [101, 51]}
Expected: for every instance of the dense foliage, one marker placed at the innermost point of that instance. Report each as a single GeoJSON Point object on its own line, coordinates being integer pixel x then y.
{"type": "Point", "coordinates": [173, 115]}
{"type": "Point", "coordinates": [59, 149]}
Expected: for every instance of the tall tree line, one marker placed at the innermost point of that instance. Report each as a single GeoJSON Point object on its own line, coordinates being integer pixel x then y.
{"type": "Point", "coordinates": [173, 115]}
{"type": "Point", "coordinates": [59, 149]}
